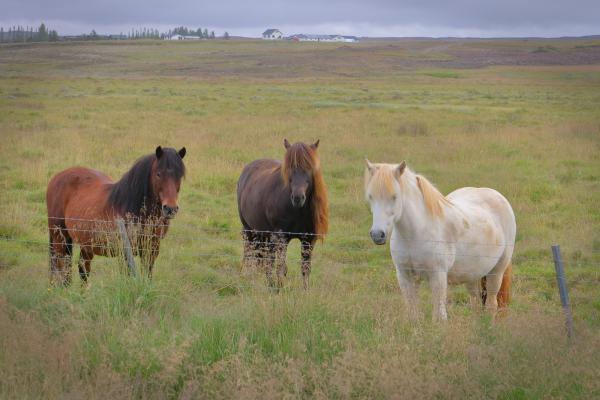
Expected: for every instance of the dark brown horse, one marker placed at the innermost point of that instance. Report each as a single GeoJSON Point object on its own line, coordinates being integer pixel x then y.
{"type": "Point", "coordinates": [83, 204]}
{"type": "Point", "coordinates": [278, 202]}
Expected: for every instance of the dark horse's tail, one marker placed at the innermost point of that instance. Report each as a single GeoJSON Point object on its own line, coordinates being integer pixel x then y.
{"type": "Point", "coordinates": [504, 292]}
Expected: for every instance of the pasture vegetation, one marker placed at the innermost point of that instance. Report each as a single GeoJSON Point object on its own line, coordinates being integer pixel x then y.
{"type": "Point", "coordinates": [202, 327]}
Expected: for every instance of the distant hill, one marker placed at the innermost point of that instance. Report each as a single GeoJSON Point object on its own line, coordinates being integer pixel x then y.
{"type": "Point", "coordinates": [478, 38]}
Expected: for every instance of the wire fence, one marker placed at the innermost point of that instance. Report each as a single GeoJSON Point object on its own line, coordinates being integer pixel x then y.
{"type": "Point", "coordinates": [102, 236]}
{"type": "Point", "coordinates": [41, 261]}
{"type": "Point", "coordinates": [267, 250]}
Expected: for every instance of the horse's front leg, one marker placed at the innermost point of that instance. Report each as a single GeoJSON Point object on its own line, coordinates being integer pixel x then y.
{"type": "Point", "coordinates": [307, 246]}
{"type": "Point", "coordinates": [438, 280]}
{"type": "Point", "coordinates": [281, 254]}
{"type": "Point", "coordinates": [409, 287]}
{"type": "Point", "coordinates": [149, 253]}
{"type": "Point", "coordinates": [84, 264]}
{"type": "Point", "coordinates": [268, 259]}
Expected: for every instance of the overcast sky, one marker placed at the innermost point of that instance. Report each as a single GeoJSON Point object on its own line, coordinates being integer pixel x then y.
{"type": "Point", "coordinates": [473, 18]}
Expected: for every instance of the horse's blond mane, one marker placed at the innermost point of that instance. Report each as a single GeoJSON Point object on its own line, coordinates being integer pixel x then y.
{"type": "Point", "coordinates": [303, 156]}
{"type": "Point", "coordinates": [381, 183]}
{"type": "Point", "coordinates": [433, 199]}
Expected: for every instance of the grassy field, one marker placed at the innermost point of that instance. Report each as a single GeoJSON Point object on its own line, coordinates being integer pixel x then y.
{"type": "Point", "coordinates": [522, 117]}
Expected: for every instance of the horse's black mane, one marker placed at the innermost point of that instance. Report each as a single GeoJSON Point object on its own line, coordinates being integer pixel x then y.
{"type": "Point", "coordinates": [133, 193]}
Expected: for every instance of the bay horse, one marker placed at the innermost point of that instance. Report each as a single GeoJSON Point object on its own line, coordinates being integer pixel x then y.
{"type": "Point", "coordinates": [278, 202]}
{"type": "Point", "coordinates": [466, 237]}
{"type": "Point", "coordinates": [84, 203]}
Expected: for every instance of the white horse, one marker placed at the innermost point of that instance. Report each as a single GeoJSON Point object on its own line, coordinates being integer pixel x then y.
{"type": "Point", "coordinates": [466, 237]}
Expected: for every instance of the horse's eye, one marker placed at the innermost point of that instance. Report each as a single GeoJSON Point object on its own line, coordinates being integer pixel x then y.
{"type": "Point", "coordinates": [370, 197]}
{"type": "Point", "coordinates": [394, 198]}
{"type": "Point", "coordinates": [158, 174]}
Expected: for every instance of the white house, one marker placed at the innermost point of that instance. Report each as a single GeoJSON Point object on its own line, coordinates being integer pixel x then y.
{"type": "Point", "coordinates": [272, 34]}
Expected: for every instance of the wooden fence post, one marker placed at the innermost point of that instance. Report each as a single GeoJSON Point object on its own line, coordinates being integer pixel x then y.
{"type": "Point", "coordinates": [562, 288]}
{"type": "Point", "coordinates": [127, 247]}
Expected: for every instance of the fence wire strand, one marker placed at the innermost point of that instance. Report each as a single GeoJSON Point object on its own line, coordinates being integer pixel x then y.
{"type": "Point", "coordinates": [140, 234]}
{"type": "Point", "coordinates": [112, 247]}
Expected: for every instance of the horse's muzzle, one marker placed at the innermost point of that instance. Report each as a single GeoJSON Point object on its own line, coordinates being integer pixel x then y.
{"type": "Point", "coordinates": [378, 237]}
{"type": "Point", "coordinates": [298, 200]}
{"type": "Point", "coordinates": [169, 212]}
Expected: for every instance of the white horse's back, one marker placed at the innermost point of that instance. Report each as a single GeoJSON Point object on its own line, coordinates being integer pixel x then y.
{"type": "Point", "coordinates": [488, 204]}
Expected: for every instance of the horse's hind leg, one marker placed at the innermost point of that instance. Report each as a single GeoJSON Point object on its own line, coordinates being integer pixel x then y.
{"type": "Point", "coordinates": [251, 250]}
{"type": "Point", "coordinates": [497, 284]}
{"type": "Point", "coordinates": [84, 264]}
{"type": "Point", "coordinates": [476, 293]}
{"type": "Point", "coordinates": [61, 251]}
{"type": "Point", "coordinates": [493, 282]}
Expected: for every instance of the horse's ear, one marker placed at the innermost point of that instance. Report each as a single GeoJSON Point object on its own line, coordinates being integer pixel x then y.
{"type": "Point", "coordinates": [400, 169]}
{"type": "Point", "coordinates": [159, 152]}
{"type": "Point", "coordinates": [286, 144]}
{"type": "Point", "coordinates": [181, 152]}
{"type": "Point", "coordinates": [315, 145]}
{"type": "Point", "coordinates": [370, 166]}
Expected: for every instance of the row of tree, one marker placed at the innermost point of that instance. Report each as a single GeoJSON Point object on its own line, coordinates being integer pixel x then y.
{"type": "Point", "coordinates": [28, 34]}
{"type": "Point", "coordinates": [184, 31]}
{"type": "Point", "coordinates": [144, 33]}
{"type": "Point", "coordinates": [42, 34]}
{"type": "Point", "coordinates": [152, 33]}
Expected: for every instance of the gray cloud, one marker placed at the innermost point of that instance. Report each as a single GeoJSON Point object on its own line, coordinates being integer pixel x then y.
{"type": "Point", "coordinates": [378, 17]}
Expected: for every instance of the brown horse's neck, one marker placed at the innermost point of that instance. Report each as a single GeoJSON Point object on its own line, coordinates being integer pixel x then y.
{"type": "Point", "coordinates": [133, 194]}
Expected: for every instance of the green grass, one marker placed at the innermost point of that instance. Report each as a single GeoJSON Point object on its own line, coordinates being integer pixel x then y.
{"type": "Point", "coordinates": [202, 327]}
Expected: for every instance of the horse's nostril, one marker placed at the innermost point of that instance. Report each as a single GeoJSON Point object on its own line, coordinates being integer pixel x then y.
{"type": "Point", "coordinates": [377, 235]}
{"type": "Point", "coordinates": [169, 210]}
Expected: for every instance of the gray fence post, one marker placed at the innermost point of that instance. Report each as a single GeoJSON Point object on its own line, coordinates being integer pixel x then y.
{"type": "Point", "coordinates": [127, 247]}
{"type": "Point", "coordinates": [562, 288]}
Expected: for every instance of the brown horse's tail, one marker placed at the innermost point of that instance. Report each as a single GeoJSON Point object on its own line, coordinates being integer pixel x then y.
{"type": "Point", "coordinates": [504, 292]}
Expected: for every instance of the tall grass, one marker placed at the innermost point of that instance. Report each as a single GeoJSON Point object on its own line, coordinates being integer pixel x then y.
{"type": "Point", "coordinates": [204, 328]}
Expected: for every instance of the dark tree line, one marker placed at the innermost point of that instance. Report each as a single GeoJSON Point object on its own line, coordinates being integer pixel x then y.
{"type": "Point", "coordinates": [28, 34]}
{"type": "Point", "coordinates": [144, 33]}
{"type": "Point", "coordinates": [42, 34]}
{"type": "Point", "coordinates": [184, 31]}
{"type": "Point", "coordinates": [151, 33]}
